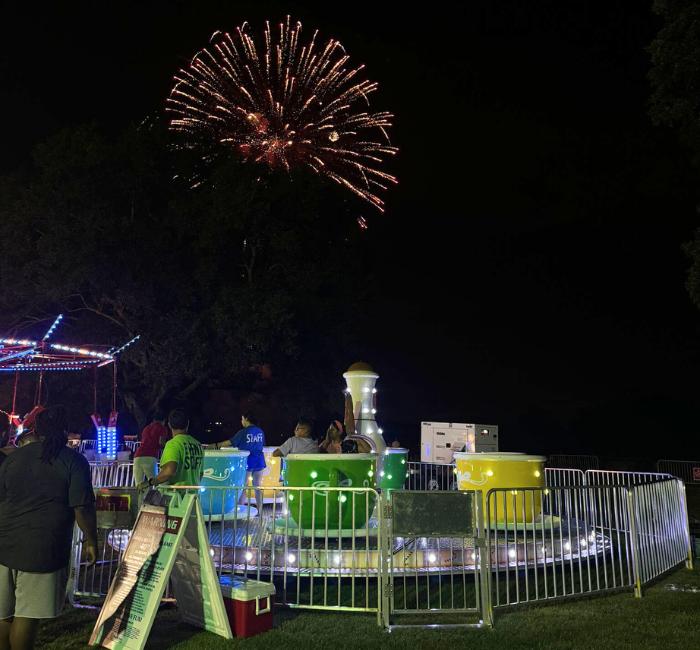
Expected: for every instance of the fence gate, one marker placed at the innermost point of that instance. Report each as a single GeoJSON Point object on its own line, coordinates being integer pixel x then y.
{"type": "Point", "coordinates": [433, 550]}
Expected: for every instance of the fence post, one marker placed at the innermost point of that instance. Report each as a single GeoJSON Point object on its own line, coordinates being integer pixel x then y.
{"type": "Point", "coordinates": [686, 523]}
{"type": "Point", "coordinates": [484, 558]}
{"type": "Point", "coordinates": [636, 566]}
{"type": "Point", "coordinates": [385, 552]}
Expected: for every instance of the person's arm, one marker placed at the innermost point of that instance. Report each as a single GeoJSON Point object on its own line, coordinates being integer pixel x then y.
{"type": "Point", "coordinates": [233, 442]}
{"type": "Point", "coordinates": [81, 497]}
{"type": "Point", "coordinates": [283, 449]}
{"type": "Point", "coordinates": [86, 518]}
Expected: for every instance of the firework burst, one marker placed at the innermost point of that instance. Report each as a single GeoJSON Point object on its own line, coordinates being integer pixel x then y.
{"type": "Point", "coordinates": [284, 104]}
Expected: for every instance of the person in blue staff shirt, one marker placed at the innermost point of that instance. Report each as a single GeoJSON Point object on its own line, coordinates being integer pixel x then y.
{"type": "Point", "coordinates": [251, 438]}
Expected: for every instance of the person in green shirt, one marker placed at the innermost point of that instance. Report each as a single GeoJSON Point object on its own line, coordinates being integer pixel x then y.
{"type": "Point", "coordinates": [182, 461]}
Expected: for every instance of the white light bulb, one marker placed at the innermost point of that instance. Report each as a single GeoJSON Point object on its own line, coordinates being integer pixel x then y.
{"type": "Point", "coordinates": [248, 556]}
{"type": "Point", "coordinates": [291, 558]}
{"type": "Point", "coordinates": [432, 557]}
{"type": "Point", "coordinates": [567, 546]}
{"type": "Point", "coordinates": [511, 553]}
{"type": "Point", "coordinates": [374, 390]}
{"type": "Point", "coordinates": [380, 430]}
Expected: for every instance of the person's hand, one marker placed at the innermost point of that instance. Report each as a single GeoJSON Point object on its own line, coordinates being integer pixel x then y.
{"type": "Point", "coordinates": [90, 551]}
{"type": "Point", "coordinates": [143, 485]}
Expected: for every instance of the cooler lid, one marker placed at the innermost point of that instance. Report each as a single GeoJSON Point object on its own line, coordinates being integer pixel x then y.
{"type": "Point", "coordinates": [238, 588]}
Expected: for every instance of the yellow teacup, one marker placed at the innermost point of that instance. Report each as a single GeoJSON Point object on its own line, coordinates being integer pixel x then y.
{"type": "Point", "coordinates": [271, 477]}
{"type": "Point", "coordinates": [485, 471]}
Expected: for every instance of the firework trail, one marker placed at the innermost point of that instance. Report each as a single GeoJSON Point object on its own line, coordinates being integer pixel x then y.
{"type": "Point", "coordinates": [284, 104]}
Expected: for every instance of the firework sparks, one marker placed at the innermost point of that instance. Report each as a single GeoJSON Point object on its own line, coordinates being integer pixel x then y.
{"type": "Point", "coordinates": [285, 104]}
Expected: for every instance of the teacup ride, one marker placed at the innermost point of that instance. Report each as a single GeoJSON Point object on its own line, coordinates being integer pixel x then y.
{"type": "Point", "coordinates": [394, 469]}
{"type": "Point", "coordinates": [225, 468]}
{"type": "Point", "coordinates": [487, 471]}
{"type": "Point", "coordinates": [322, 509]}
{"type": "Point", "coordinates": [514, 518]}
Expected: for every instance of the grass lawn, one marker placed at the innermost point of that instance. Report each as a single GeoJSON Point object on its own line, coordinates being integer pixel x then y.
{"type": "Point", "coordinates": [662, 619]}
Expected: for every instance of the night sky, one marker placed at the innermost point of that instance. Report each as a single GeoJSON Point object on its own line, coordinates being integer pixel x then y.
{"type": "Point", "coordinates": [529, 270]}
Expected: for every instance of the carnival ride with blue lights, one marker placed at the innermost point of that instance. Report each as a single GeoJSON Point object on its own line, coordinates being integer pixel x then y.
{"type": "Point", "coordinates": [20, 355]}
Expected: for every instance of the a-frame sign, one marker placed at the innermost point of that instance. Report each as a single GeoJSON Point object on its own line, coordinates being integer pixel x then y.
{"type": "Point", "coordinates": [169, 541]}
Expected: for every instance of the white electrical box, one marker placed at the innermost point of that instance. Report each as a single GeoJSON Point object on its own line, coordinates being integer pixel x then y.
{"type": "Point", "coordinates": [440, 440]}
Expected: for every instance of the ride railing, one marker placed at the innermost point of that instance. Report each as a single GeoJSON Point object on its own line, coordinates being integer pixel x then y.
{"type": "Point", "coordinates": [422, 554]}
{"type": "Point", "coordinates": [434, 559]}
{"type": "Point", "coordinates": [686, 470]}
{"type": "Point", "coordinates": [628, 479]}
{"type": "Point", "coordinates": [331, 560]}
{"type": "Point", "coordinates": [549, 543]}
{"type": "Point", "coordinates": [563, 477]}
{"type": "Point", "coordinates": [430, 476]}
{"type": "Point", "coordinates": [660, 529]}
{"type": "Point", "coordinates": [86, 444]}
{"type": "Point", "coordinates": [557, 542]}
{"type": "Point", "coordinates": [132, 445]}
{"type": "Point", "coordinates": [113, 474]}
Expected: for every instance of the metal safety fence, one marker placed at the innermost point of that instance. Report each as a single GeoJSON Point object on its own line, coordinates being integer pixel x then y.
{"type": "Point", "coordinates": [435, 569]}
{"type": "Point", "coordinates": [661, 531]}
{"type": "Point", "coordinates": [686, 470]}
{"type": "Point", "coordinates": [608, 477]}
{"type": "Point", "coordinates": [430, 476]}
{"type": "Point", "coordinates": [113, 474]}
{"type": "Point", "coordinates": [561, 477]}
{"type": "Point", "coordinates": [556, 542]}
{"type": "Point", "coordinates": [423, 555]}
{"type": "Point", "coordinates": [320, 546]}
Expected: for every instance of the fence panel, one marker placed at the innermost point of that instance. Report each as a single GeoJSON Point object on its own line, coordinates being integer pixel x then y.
{"type": "Point", "coordinates": [661, 527]}
{"type": "Point", "coordinates": [434, 556]}
{"type": "Point", "coordinates": [331, 561]}
{"type": "Point", "coordinates": [686, 470]}
{"type": "Point", "coordinates": [563, 477]}
{"type": "Point", "coordinates": [430, 476]}
{"type": "Point", "coordinates": [550, 543]}
{"type": "Point", "coordinates": [627, 479]}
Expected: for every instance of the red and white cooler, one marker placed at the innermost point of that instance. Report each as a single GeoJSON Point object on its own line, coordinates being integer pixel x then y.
{"type": "Point", "coordinates": [249, 605]}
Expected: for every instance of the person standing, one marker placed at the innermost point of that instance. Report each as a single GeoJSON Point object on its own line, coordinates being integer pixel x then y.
{"type": "Point", "coordinates": [153, 437]}
{"type": "Point", "coordinates": [45, 488]}
{"type": "Point", "coordinates": [182, 461]}
{"type": "Point", "coordinates": [251, 438]}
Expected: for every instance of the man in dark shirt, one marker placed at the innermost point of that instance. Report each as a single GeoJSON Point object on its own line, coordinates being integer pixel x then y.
{"type": "Point", "coordinates": [44, 488]}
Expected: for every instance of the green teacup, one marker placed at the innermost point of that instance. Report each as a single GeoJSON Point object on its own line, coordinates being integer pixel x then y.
{"type": "Point", "coordinates": [322, 509]}
{"type": "Point", "coordinates": [394, 467]}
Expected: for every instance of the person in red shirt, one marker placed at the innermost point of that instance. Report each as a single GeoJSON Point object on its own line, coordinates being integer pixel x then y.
{"type": "Point", "coordinates": [153, 437]}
